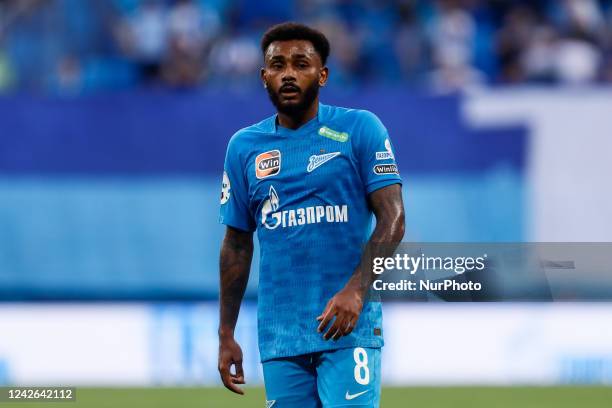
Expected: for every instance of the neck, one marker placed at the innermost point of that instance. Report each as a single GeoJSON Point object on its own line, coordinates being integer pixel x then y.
{"type": "Point", "coordinates": [296, 120]}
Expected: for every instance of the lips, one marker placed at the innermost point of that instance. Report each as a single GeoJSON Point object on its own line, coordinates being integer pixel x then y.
{"type": "Point", "coordinates": [289, 89]}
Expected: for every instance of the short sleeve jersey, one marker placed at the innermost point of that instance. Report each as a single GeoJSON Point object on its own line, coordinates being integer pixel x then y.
{"type": "Point", "coordinates": [305, 193]}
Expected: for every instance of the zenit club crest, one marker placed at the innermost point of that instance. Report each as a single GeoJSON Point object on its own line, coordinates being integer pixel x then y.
{"type": "Point", "coordinates": [316, 161]}
{"type": "Point", "coordinates": [268, 164]}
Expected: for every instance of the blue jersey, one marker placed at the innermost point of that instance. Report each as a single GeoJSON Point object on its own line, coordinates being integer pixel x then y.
{"type": "Point", "coordinates": [305, 192]}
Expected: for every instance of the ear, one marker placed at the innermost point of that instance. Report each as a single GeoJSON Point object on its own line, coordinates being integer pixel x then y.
{"type": "Point", "coordinates": [323, 76]}
{"type": "Point", "coordinates": [262, 75]}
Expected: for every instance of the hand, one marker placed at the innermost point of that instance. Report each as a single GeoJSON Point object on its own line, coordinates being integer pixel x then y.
{"type": "Point", "coordinates": [346, 306]}
{"type": "Point", "coordinates": [230, 354]}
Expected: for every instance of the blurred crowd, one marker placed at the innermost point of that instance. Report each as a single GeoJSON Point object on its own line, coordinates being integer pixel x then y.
{"type": "Point", "coordinates": [80, 46]}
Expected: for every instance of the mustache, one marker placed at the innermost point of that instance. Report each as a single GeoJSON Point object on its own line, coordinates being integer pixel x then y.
{"type": "Point", "coordinates": [290, 88]}
{"type": "Point", "coordinates": [307, 96]}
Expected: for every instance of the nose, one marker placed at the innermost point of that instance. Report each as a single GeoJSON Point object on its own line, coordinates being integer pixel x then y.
{"type": "Point", "coordinates": [288, 74]}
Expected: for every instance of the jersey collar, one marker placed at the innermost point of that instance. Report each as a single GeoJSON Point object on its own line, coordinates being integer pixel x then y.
{"type": "Point", "coordinates": [312, 123]}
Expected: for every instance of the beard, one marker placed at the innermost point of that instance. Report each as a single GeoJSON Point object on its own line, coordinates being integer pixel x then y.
{"type": "Point", "coordinates": [295, 108]}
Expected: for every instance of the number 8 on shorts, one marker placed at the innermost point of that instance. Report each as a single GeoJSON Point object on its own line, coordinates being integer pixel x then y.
{"type": "Point", "coordinates": [362, 373]}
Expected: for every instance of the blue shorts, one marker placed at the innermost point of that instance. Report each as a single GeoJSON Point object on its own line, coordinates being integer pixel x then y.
{"type": "Point", "coordinates": [348, 377]}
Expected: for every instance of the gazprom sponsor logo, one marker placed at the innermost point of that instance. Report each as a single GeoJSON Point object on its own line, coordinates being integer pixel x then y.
{"type": "Point", "coordinates": [387, 154]}
{"type": "Point", "coordinates": [316, 214]}
{"type": "Point", "coordinates": [384, 155]}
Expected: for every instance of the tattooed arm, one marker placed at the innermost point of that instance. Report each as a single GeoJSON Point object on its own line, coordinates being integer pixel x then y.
{"type": "Point", "coordinates": [235, 265]}
{"type": "Point", "coordinates": [347, 304]}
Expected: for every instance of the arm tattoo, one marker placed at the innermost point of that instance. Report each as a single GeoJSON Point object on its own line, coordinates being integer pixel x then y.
{"type": "Point", "coordinates": [388, 207]}
{"type": "Point", "coordinates": [234, 267]}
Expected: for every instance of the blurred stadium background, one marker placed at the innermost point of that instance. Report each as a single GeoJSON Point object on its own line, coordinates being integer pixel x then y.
{"type": "Point", "coordinates": [114, 116]}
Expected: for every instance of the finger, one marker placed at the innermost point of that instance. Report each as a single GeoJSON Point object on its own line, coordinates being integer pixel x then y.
{"type": "Point", "coordinates": [234, 388]}
{"type": "Point", "coordinates": [327, 306]}
{"type": "Point", "coordinates": [342, 326]}
{"type": "Point", "coordinates": [238, 378]}
{"type": "Point", "coordinates": [349, 327]}
{"type": "Point", "coordinates": [339, 333]}
{"type": "Point", "coordinates": [334, 327]}
{"type": "Point", "coordinates": [327, 316]}
{"type": "Point", "coordinates": [225, 376]}
{"type": "Point", "coordinates": [227, 380]}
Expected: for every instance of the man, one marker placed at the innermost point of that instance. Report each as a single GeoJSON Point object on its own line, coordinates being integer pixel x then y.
{"type": "Point", "coordinates": [307, 179]}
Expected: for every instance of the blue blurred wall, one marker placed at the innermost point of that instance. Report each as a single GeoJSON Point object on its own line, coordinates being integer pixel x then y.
{"type": "Point", "coordinates": [116, 196]}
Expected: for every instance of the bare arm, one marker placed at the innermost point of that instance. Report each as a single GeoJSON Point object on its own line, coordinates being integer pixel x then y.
{"type": "Point", "coordinates": [234, 265]}
{"type": "Point", "coordinates": [346, 305]}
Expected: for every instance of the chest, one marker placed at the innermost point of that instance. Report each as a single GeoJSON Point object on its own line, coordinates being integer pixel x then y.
{"type": "Point", "coordinates": [303, 167]}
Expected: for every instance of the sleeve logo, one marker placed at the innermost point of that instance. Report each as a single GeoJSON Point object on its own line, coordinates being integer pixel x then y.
{"type": "Point", "coordinates": [388, 154]}
{"type": "Point", "coordinates": [225, 189]}
{"type": "Point", "coordinates": [381, 169]}
{"type": "Point", "coordinates": [268, 164]}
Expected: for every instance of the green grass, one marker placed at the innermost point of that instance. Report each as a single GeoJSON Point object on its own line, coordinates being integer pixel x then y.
{"type": "Point", "coordinates": [421, 397]}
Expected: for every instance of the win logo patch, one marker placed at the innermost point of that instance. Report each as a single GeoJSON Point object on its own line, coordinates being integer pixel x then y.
{"type": "Point", "coordinates": [268, 164]}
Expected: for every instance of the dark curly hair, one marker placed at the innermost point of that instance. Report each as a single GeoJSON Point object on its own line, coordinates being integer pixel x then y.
{"type": "Point", "coordinates": [296, 31]}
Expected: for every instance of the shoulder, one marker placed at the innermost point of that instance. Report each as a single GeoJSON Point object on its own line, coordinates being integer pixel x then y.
{"type": "Point", "coordinates": [249, 135]}
{"type": "Point", "coordinates": [363, 126]}
{"type": "Point", "coordinates": [367, 120]}
{"type": "Point", "coordinates": [357, 118]}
